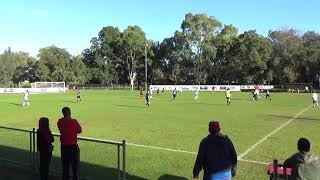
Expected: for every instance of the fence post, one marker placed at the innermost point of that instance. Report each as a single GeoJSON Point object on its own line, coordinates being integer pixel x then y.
{"type": "Point", "coordinates": [34, 148]}
{"type": "Point", "coordinates": [118, 161]}
{"type": "Point", "coordinates": [275, 169]}
{"type": "Point", "coordinates": [30, 149]}
{"type": "Point", "coordinates": [124, 159]}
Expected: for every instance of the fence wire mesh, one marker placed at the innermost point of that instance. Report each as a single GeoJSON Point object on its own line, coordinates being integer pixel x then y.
{"type": "Point", "coordinates": [99, 159]}
{"type": "Point", "coordinates": [15, 146]}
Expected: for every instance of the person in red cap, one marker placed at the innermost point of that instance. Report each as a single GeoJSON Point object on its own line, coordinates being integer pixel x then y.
{"type": "Point", "coordinates": [216, 156]}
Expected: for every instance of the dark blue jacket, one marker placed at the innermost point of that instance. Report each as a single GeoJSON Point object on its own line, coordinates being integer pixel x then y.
{"type": "Point", "coordinates": [216, 153]}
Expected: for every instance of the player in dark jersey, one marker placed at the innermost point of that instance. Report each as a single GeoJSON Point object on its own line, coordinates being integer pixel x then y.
{"type": "Point", "coordinates": [141, 92]}
{"type": "Point", "coordinates": [268, 95]}
{"type": "Point", "coordinates": [174, 94]}
{"type": "Point", "coordinates": [158, 91]}
{"type": "Point", "coordinates": [148, 99]}
{"type": "Point", "coordinates": [78, 96]}
{"type": "Point", "coordinates": [162, 90]}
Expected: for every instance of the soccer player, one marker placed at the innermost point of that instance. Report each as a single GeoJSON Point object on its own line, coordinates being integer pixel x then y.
{"type": "Point", "coordinates": [26, 99]}
{"type": "Point", "coordinates": [228, 96]}
{"type": "Point", "coordinates": [174, 94]}
{"type": "Point", "coordinates": [162, 90]}
{"type": "Point", "coordinates": [148, 99]}
{"type": "Point", "coordinates": [141, 92]}
{"type": "Point", "coordinates": [158, 91]}
{"type": "Point", "coordinates": [78, 96]}
{"type": "Point", "coordinates": [315, 99]}
{"type": "Point", "coordinates": [268, 95]}
{"type": "Point", "coordinates": [196, 94]}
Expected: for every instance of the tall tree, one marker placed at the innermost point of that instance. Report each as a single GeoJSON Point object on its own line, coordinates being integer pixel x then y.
{"type": "Point", "coordinates": [132, 49]}
{"type": "Point", "coordinates": [199, 30]}
{"type": "Point", "coordinates": [54, 64]}
{"type": "Point", "coordinates": [287, 53]}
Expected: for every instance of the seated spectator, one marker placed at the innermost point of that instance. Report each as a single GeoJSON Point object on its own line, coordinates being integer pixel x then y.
{"type": "Point", "coordinates": [216, 156]}
{"type": "Point", "coordinates": [302, 162]}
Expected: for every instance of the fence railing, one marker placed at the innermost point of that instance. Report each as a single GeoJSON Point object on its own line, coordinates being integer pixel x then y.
{"type": "Point", "coordinates": [99, 159]}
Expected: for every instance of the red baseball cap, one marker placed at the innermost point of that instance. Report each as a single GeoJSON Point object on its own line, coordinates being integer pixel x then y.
{"type": "Point", "coordinates": [214, 127]}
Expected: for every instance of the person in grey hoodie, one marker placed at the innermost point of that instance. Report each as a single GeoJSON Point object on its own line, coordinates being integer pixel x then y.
{"type": "Point", "coordinates": [303, 157]}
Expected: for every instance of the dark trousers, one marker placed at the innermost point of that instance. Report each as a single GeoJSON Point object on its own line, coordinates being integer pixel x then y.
{"type": "Point", "coordinates": [70, 156]}
{"type": "Point", "coordinates": [45, 158]}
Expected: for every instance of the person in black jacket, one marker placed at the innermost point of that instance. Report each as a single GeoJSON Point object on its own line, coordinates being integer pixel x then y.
{"type": "Point", "coordinates": [44, 146]}
{"type": "Point", "coordinates": [216, 156]}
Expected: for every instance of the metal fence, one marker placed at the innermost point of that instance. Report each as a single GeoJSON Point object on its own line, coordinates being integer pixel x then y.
{"type": "Point", "coordinates": [99, 159]}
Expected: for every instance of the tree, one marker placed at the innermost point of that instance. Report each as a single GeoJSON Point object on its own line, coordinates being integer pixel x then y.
{"type": "Point", "coordinates": [249, 62]}
{"type": "Point", "coordinates": [133, 42]}
{"type": "Point", "coordinates": [287, 53]}
{"type": "Point", "coordinates": [199, 30]}
{"type": "Point", "coordinates": [54, 64]}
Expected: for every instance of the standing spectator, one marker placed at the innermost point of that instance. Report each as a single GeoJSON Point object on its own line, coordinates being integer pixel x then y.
{"type": "Point", "coordinates": [304, 156]}
{"type": "Point", "coordinates": [216, 156]}
{"type": "Point", "coordinates": [70, 153]}
{"type": "Point", "coordinates": [44, 147]}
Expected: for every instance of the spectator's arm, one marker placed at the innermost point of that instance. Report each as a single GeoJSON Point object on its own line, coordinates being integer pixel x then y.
{"type": "Point", "coordinates": [79, 128]}
{"type": "Point", "coordinates": [199, 161]}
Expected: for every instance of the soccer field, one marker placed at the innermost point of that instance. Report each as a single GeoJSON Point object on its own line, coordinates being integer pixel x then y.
{"type": "Point", "coordinates": [163, 139]}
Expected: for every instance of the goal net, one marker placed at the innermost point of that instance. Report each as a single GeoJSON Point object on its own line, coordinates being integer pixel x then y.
{"type": "Point", "coordinates": [50, 86]}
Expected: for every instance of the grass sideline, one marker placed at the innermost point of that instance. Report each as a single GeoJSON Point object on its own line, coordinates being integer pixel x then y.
{"type": "Point", "coordinates": [179, 125]}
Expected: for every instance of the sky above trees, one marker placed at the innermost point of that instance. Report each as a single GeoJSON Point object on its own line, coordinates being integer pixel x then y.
{"type": "Point", "coordinates": [31, 25]}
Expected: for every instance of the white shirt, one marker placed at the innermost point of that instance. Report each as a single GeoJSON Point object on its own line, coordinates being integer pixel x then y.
{"type": "Point", "coordinates": [315, 96]}
{"type": "Point", "coordinates": [197, 92]}
{"type": "Point", "coordinates": [26, 95]}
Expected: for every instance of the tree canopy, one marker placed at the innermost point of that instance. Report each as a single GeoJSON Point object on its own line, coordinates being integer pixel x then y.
{"type": "Point", "coordinates": [202, 51]}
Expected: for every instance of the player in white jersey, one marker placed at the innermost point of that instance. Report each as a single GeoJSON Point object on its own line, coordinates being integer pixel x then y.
{"type": "Point", "coordinates": [26, 99]}
{"type": "Point", "coordinates": [315, 99]}
{"type": "Point", "coordinates": [196, 94]}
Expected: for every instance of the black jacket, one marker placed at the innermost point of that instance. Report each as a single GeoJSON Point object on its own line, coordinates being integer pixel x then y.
{"type": "Point", "coordinates": [216, 153]}
{"type": "Point", "coordinates": [44, 144]}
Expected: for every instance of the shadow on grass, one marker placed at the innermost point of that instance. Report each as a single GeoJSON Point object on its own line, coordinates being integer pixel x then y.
{"type": "Point", "coordinates": [296, 118]}
{"type": "Point", "coordinates": [130, 106]}
{"type": "Point", "coordinates": [15, 104]}
{"type": "Point", "coordinates": [19, 160]}
{"type": "Point", "coordinates": [171, 177]}
{"type": "Point", "coordinates": [69, 101]}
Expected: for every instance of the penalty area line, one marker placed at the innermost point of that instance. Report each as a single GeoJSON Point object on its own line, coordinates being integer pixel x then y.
{"type": "Point", "coordinates": [272, 133]}
{"type": "Point", "coordinates": [189, 152]}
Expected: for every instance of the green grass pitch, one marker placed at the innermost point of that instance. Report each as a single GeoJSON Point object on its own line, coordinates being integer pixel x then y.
{"type": "Point", "coordinates": [179, 125]}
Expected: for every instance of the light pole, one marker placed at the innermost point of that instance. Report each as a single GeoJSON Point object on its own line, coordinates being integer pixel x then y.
{"type": "Point", "coordinates": [146, 67]}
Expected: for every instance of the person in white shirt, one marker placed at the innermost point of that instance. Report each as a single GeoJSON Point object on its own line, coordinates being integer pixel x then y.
{"type": "Point", "coordinates": [196, 94]}
{"type": "Point", "coordinates": [26, 99]}
{"type": "Point", "coordinates": [315, 99]}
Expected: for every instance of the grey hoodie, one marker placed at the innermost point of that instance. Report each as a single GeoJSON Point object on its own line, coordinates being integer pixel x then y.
{"type": "Point", "coordinates": [304, 165]}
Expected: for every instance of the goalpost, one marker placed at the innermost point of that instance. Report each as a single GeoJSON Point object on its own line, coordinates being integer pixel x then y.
{"type": "Point", "coordinates": [51, 86]}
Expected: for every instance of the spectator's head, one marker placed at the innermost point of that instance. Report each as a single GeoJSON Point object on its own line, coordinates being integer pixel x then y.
{"type": "Point", "coordinates": [214, 127]}
{"type": "Point", "coordinates": [44, 123]}
{"type": "Point", "coordinates": [66, 112]}
{"type": "Point", "coordinates": [303, 145]}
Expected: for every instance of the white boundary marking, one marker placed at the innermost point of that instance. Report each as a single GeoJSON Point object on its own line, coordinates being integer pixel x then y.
{"type": "Point", "coordinates": [189, 152]}
{"type": "Point", "coordinates": [271, 133]}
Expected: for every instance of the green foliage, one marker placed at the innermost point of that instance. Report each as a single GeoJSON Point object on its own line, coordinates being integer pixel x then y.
{"type": "Point", "coordinates": [203, 51]}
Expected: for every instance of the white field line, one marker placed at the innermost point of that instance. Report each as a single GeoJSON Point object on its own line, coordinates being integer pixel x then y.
{"type": "Point", "coordinates": [272, 133]}
{"type": "Point", "coordinates": [189, 152]}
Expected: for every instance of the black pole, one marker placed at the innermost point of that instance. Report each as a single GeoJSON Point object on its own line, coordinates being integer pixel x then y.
{"type": "Point", "coordinates": [124, 159]}
{"type": "Point", "coordinates": [118, 161]}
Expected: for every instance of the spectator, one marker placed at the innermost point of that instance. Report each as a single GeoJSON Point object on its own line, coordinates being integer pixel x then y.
{"type": "Point", "coordinates": [44, 146]}
{"type": "Point", "coordinates": [70, 153]}
{"type": "Point", "coordinates": [304, 156]}
{"type": "Point", "coordinates": [216, 156]}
